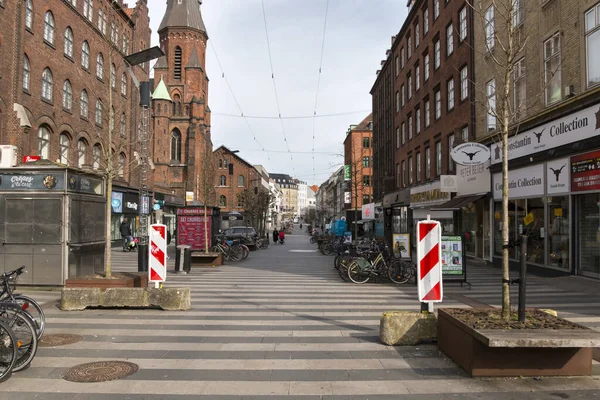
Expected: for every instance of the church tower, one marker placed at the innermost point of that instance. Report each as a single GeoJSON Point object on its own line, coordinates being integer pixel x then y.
{"type": "Point", "coordinates": [181, 117]}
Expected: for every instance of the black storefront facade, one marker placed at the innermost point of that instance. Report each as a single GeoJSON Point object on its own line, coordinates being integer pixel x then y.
{"type": "Point", "coordinates": [125, 203]}
{"type": "Point", "coordinates": [554, 191]}
{"type": "Point", "coordinates": [165, 209]}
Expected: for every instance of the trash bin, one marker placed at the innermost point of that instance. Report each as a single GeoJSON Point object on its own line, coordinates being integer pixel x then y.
{"type": "Point", "coordinates": [182, 259]}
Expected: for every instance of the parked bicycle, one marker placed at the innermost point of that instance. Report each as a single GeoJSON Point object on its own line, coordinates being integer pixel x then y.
{"type": "Point", "coordinates": [9, 282]}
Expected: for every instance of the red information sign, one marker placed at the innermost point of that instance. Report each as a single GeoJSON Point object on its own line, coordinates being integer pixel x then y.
{"type": "Point", "coordinates": [191, 230]}
{"type": "Point", "coordinates": [27, 159]}
{"type": "Point", "coordinates": [585, 172]}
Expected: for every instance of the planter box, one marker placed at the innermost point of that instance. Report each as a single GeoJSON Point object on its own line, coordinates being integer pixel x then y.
{"type": "Point", "coordinates": [119, 280]}
{"type": "Point", "coordinates": [201, 259]}
{"type": "Point", "coordinates": [524, 352]}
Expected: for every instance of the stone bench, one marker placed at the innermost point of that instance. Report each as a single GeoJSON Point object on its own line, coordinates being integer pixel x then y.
{"type": "Point", "coordinates": [201, 259]}
{"type": "Point", "coordinates": [170, 299]}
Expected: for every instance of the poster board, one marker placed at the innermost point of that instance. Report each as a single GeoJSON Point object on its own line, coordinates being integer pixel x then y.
{"type": "Point", "coordinates": [401, 243]}
{"type": "Point", "coordinates": [454, 266]}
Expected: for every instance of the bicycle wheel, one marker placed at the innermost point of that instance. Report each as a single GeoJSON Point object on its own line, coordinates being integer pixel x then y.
{"type": "Point", "coordinates": [399, 272]}
{"type": "Point", "coordinates": [245, 251]}
{"type": "Point", "coordinates": [328, 249]}
{"type": "Point", "coordinates": [357, 274]}
{"type": "Point", "coordinates": [343, 268]}
{"type": "Point", "coordinates": [35, 310]}
{"type": "Point", "coordinates": [23, 328]}
{"type": "Point", "coordinates": [8, 351]}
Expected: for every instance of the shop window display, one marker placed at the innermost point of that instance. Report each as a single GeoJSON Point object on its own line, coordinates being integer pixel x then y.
{"type": "Point", "coordinates": [588, 225]}
{"type": "Point", "coordinates": [558, 218]}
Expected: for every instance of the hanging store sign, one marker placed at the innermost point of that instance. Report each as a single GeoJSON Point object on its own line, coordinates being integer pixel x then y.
{"type": "Point", "coordinates": [368, 211]}
{"type": "Point", "coordinates": [574, 127]}
{"type": "Point", "coordinates": [473, 179]}
{"type": "Point", "coordinates": [347, 198]}
{"type": "Point", "coordinates": [585, 172]}
{"type": "Point", "coordinates": [523, 182]}
{"type": "Point", "coordinates": [558, 176]}
{"type": "Point", "coordinates": [347, 173]}
{"type": "Point", "coordinates": [470, 154]}
{"type": "Point", "coordinates": [449, 183]}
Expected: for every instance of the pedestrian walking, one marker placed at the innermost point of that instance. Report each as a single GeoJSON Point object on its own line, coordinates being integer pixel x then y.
{"type": "Point", "coordinates": [125, 230]}
{"type": "Point", "coordinates": [275, 235]}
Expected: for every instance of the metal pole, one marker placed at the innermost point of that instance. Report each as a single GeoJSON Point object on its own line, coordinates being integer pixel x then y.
{"type": "Point", "coordinates": [144, 143]}
{"type": "Point", "coordinates": [523, 278]}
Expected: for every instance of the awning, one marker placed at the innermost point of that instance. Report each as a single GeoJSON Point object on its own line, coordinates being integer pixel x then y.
{"type": "Point", "coordinates": [458, 202]}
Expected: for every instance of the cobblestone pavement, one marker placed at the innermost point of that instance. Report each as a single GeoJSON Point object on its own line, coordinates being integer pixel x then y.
{"type": "Point", "coordinates": [283, 325]}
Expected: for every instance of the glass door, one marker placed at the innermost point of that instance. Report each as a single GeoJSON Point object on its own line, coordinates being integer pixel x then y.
{"type": "Point", "coordinates": [487, 231]}
{"type": "Point", "coordinates": [588, 234]}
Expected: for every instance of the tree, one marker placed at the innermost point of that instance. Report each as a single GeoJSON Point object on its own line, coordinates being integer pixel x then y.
{"type": "Point", "coordinates": [505, 37]}
{"type": "Point", "coordinates": [256, 206]}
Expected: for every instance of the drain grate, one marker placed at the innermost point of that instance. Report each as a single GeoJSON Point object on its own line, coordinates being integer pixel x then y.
{"type": "Point", "coordinates": [59, 339]}
{"type": "Point", "coordinates": [102, 371]}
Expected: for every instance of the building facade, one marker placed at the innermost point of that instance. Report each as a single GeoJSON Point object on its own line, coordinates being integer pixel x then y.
{"type": "Point", "coordinates": [302, 198]}
{"type": "Point", "coordinates": [233, 176]}
{"type": "Point", "coordinates": [289, 189]}
{"type": "Point", "coordinates": [182, 147]}
{"type": "Point", "coordinates": [358, 161]}
{"type": "Point", "coordinates": [554, 148]}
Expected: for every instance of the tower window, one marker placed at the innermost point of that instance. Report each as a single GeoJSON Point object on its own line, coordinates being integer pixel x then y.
{"type": "Point", "coordinates": [177, 62]}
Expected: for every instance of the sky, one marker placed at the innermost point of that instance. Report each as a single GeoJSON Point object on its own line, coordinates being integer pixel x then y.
{"type": "Point", "coordinates": [357, 35]}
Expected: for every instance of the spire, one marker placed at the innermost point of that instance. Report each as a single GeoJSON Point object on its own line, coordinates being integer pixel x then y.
{"type": "Point", "coordinates": [183, 14]}
{"type": "Point", "coordinates": [194, 61]}
{"type": "Point", "coordinates": [161, 92]}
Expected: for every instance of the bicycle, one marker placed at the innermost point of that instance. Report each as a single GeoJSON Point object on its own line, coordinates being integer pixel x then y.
{"type": "Point", "coordinates": [401, 271]}
{"type": "Point", "coordinates": [9, 282]}
{"type": "Point", "coordinates": [362, 269]}
{"type": "Point", "coordinates": [8, 351]}
{"type": "Point", "coordinates": [24, 330]}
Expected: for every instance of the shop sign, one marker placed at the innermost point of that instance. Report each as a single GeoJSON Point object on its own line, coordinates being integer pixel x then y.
{"type": "Point", "coordinates": [117, 202]}
{"type": "Point", "coordinates": [585, 172]}
{"type": "Point", "coordinates": [27, 159]}
{"type": "Point", "coordinates": [347, 197]}
{"type": "Point", "coordinates": [156, 207]}
{"type": "Point", "coordinates": [523, 182]}
{"type": "Point", "coordinates": [558, 176]}
{"type": "Point", "coordinates": [449, 183]}
{"type": "Point", "coordinates": [45, 181]}
{"type": "Point", "coordinates": [368, 211]}
{"type": "Point", "coordinates": [195, 211]}
{"type": "Point", "coordinates": [347, 173]}
{"type": "Point", "coordinates": [84, 184]}
{"type": "Point", "coordinates": [145, 208]}
{"type": "Point", "coordinates": [470, 154]}
{"type": "Point", "coordinates": [473, 179]}
{"type": "Point", "coordinates": [430, 194]}
{"type": "Point", "coordinates": [189, 196]}
{"type": "Point", "coordinates": [574, 127]}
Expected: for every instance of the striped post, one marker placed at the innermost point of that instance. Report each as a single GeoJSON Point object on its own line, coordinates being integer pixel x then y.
{"type": "Point", "coordinates": [429, 264]}
{"type": "Point", "coordinates": [157, 271]}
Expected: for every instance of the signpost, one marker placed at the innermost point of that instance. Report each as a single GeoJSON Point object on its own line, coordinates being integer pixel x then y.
{"type": "Point", "coordinates": [158, 254]}
{"type": "Point", "coordinates": [429, 265]}
{"type": "Point", "coordinates": [454, 266]}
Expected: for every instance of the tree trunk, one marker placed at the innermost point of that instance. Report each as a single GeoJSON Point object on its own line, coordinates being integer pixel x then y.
{"type": "Point", "coordinates": [505, 110]}
{"type": "Point", "coordinates": [108, 244]}
{"type": "Point", "coordinates": [205, 228]}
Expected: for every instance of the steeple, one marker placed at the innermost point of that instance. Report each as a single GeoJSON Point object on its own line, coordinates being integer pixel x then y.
{"type": "Point", "coordinates": [183, 14]}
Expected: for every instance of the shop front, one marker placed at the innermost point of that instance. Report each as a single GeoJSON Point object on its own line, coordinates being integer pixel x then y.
{"type": "Point", "coordinates": [126, 204]}
{"type": "Point", "coordinates": [423, 200]}
{"type": "Point", "coordinates": [397, 219]}
{"type": "Point", "coordinates": [165, 210]}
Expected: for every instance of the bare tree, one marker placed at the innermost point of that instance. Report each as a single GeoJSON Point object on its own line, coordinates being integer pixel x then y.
{"type": "Point", "coordinates": [205, 182]}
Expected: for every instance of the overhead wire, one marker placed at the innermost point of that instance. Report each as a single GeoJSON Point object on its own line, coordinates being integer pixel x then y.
{"type": "Point", "coordinates": [290, 117]}
{"type": "Point", "coordinates": [275, 86]}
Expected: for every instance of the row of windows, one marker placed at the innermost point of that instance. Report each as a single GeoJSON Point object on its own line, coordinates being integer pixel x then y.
{"type": "Point", "coordinates": [407, 52]}
{"type": "Point", "coordinates": [64, 146]}
{"type": "Point", "coordinates": [241, 181]}
{"type": "Point", "coordinates": [88, 12]}
{"type": "Point", "coordinates": [223, 201]}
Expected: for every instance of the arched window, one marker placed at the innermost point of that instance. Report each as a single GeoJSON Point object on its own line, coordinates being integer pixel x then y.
{"type": "Point", "coordinates": [47, 84]}
{"type": "Point", "coordinates": [68, 43]}
{"type": "Point", "coordinates": [241, 181]}
{"type": "Point", "coordinates": [44, 142]}
{"type": "Point", "coordinates": [85, 55]}
{"type": "Point", "coordinates": [49, 27]}
{"type": "Point", "coordinates": [83, 104]}
{"type": "Point", "coordinates": [121, 166]}
{"type": "Point", "coordinates": [176, 105]}
{"type": "Point", "coordinates": [158, 108]}
{"type": "Point", "coordinates": [26, 73]}
{"type": "Point", "coordinates": [176, 145]}
{"type": "Point", "coordinates": [96, 156]}
{"type": "Point", "coordinates": [223, 180]}
{"type": "Point", "coordinates": [123, 125]}
{"type": "Point", "coordinates": [220, 163]}
{"type": "Point", "coordinates": [124, 84]}
{"type": "Point", "coordinates": [224, 163]}
{"type": "Point", "coordinates": [81, 153]}
{"type": "Point", "coordinates": [100, 66]}
{"type": "Point", "coordinates": [113, 76]}
{"type": "Point", "coordinates": [98, 112]}
{"type": "Point", "coordinates": [67, 102]}
{"type": "Point", "coordinates": [177, 70]}
{"type": "Point", "coordinates": [222, 201]}
{"type": "Point", "coordinates": [29, 14]}
{"type": "Point", "coordinates": [64, 143]}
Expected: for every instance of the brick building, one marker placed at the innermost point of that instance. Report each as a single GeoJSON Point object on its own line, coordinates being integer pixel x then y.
{"type": "Point", "coordinates": [182, 146]}
{"type": "Point", "coordinates": [62, 69]}
{"type": "Point", "coordinates": [358, 157]}
{"type": "Point", "coordinates": [422, 107]}
{"type": "Point", "coordinates": [554, 144]}
{"type": "Point", "coordinates": [289, 189]}
{"type": "Point", "coordinates": [233, 176]}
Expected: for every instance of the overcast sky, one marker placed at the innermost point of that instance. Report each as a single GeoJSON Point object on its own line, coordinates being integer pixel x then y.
{"type": "Point", "coordinates": [357, 35]}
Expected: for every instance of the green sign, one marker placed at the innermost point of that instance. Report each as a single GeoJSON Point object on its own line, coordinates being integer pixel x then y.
{"type": "Point", "coordinates": [347, 173]}
{"type": "Point", "coordinates": [452, 255]}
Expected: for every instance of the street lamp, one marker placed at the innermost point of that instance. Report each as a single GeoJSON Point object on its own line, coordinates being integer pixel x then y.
{"type": "Point", "coordinates": [144, 139]}
{"type": "Point", "coordinates": [230, 167]}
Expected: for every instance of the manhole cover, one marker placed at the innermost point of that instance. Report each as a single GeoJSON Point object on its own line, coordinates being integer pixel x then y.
{"type": "Point", "coordinates": [59, 339]}
{"type": "Point", "coordinates": [101, 371]}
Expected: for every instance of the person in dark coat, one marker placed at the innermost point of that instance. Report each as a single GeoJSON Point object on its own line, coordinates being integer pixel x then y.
{"type": "Point", "coordinates": [125, 230]}
{"type": "Point", "coordinates": [275, 235]}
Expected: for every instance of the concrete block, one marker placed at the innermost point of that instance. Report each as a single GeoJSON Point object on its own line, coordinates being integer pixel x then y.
{"type": "Point", "coordinates": [407, 328]}
{"type": "Point", "coordinates": [171, 299]}
{"type": "Point", "coordinates": [76, 299]}
{"type": "Point", "coordinates": [124, 297]}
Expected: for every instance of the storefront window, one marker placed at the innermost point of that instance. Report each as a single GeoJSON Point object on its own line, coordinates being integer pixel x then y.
{"type": "Point", "coordinates": [588, 220]}
{"type": "Point", "coordinates": [534, 228]}
{"type": "Point", "coordinates": [469, 220]}
{"type": "Point", "coordinates": [558, 232]}
{"type": "Point", "coordinates": [400, 220]}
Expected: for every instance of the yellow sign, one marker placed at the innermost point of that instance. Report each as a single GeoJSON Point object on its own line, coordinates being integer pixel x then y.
{"type": "Point", "coordinates": [497, 215]}
{"type": "Point", "coordinates": [558, 212]}
{"type": "Point", "coordinates": [528, 218]}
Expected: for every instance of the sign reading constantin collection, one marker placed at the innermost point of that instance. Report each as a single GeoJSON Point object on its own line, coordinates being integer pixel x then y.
{"type": "Point", "coordinates": [470, 154]}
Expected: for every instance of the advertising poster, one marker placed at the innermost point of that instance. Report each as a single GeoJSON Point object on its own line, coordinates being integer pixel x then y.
{"type": "Point", "coordinates": [452, 255]}
{"type": "Point", "coordinates": [585, 172]}
{"type": "Point", "coordinates": [191, 231]}
{"type": "Point", "coordinates": [401, 245]}
{"type": "Point", "coordinates": [117, 202]}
